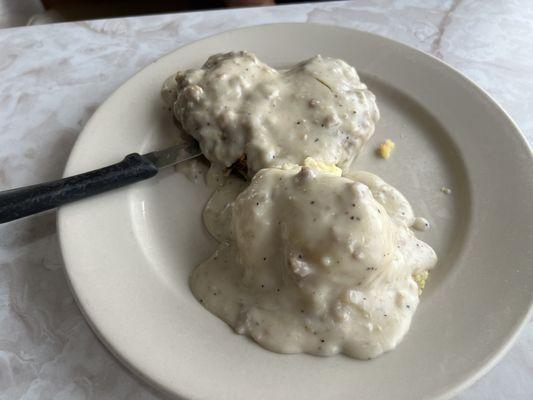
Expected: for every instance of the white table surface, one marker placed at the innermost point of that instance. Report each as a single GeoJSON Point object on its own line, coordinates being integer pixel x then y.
{"type": "Point", "coordinates": [53, 77]}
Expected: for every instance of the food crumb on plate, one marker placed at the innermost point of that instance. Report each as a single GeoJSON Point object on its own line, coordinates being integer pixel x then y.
{"type": "Point", "coordinates": [385, 149]}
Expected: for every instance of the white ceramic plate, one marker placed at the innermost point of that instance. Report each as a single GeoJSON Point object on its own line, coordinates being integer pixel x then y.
{"type": "Point", "coordinates": [128, 254]}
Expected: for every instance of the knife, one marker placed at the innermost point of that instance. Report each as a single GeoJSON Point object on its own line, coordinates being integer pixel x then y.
{"type": "Point", "coordinates": [29, 200]}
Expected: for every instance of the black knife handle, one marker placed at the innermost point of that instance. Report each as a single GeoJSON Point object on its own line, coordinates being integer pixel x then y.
{"type": "Point", "coordinates": [21, 202]}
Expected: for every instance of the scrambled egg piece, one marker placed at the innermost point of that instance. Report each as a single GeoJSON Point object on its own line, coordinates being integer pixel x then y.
{"type": "Point", "coordinates": [385, 148]}
{"type": "Point", "coordinates": [420, 279]}
{"type": "Point", "coordinates": [315, 164]}
{"type": "Point", "coordinates": [322, 166]}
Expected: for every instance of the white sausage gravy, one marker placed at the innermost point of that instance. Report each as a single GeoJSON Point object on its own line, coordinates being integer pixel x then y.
{"type": "Point", "coordinates": [311, 257]}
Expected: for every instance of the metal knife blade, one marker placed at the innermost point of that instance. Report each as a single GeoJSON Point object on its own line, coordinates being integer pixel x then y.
{"type": "Point", "coordinates": [173, 155]}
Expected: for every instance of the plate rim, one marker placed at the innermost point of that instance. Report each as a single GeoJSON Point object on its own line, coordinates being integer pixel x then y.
{"type": "Point", "coordinates": [452, 389]}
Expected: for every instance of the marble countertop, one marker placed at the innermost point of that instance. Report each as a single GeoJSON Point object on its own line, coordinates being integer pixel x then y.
{"type": "Point", "coordinates": [53, 77]}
